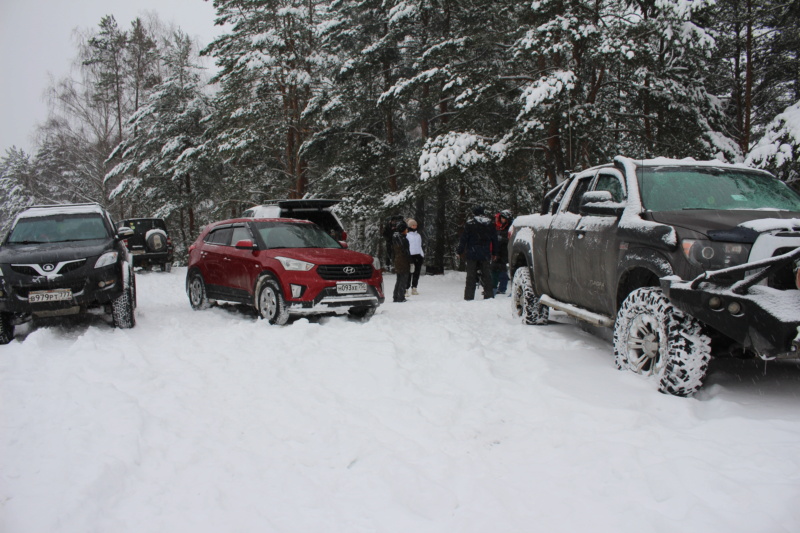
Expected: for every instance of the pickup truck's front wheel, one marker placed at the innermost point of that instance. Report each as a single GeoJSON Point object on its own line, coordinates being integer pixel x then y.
{"type": "Point", "coordinates": [524, 302]}
{"type": "Point", "coordinates": [654, 338]}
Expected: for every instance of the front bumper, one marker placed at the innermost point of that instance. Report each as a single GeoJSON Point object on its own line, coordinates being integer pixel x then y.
{"type": "Point", "coordinates": [328, 301]}
{"type": "Point", "coordinates": [90, 287]}
{"type": "Point", "coordinates": [763, 319]}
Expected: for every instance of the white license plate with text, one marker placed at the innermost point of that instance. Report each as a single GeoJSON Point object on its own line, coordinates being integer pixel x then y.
{"type": "Point", "coordinates": [55, 295]}
{"type": "Point", "coordinates": [355, 287]}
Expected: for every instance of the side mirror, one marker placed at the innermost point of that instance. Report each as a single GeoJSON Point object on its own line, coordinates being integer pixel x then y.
{"type": "Point", "coordinates": [245, 244]}
{"type": "Point", "coordinates": [600, 203]}
{"type": "Point", "coordinates": [124, 232]}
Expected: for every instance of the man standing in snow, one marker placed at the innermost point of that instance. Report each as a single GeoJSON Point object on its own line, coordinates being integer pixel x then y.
{"type": "Point", "coordinates": [402, 262]}
{"type": "Point", "coordinates": [478, 244]}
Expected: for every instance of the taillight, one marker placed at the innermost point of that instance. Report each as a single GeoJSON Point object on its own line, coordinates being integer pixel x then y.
{"type": "Point", "coordinates": [344, 235]}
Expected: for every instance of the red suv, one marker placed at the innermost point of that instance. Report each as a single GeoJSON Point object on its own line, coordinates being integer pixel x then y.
{"type": "Point", "coordinates": [281, 267]}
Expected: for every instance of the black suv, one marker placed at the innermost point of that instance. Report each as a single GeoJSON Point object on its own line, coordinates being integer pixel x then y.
{"type": "Point", "coordinates": [62, 260]}
{"type": "Point", "coordinates": [317, 210]}
{"type": "Point", "coordinates": [150, 243]}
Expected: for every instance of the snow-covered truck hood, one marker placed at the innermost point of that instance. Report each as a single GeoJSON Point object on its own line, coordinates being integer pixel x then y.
{"type": "Point", "coordinates": [734, 225]}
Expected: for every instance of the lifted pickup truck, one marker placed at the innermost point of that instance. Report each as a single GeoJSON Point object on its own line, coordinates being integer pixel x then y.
{"type": "Point", "coordinates": [681, 259]}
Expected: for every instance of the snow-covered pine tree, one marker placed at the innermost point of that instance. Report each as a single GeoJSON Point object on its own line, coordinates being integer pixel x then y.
{"type": "Point", "coordinates": [271, 68]}
{"type": "Point", "coordinates": [165, 162]}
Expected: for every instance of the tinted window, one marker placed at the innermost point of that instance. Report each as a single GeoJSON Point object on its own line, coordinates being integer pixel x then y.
{"type": "Point", "coordinates": [283, 235]}
{"type": "Point", "coordinates": [240, 233]}
{"type": "Point", "coordinates": [581, 187]}
{"type": "Point", "coordinates": [59, 228]}
{"type": "Point", "coordinates": [144, 225]}
{"type": "Point", "coordinates": [610, 183]}
{"type": "Point", "coordinates": [220, 236]}
{"type": "Point", "coordinates": [673, 189]}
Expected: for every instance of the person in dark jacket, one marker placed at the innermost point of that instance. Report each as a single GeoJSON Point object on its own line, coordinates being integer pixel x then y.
{"type": "Point", "coordinates": [478, 244]}
{"type": "Point", "coordinates": [502, 221]}
{"type": "Point", "coordinates": [402, 261]}
{"type": "Point", "coordinates": [388, 234]}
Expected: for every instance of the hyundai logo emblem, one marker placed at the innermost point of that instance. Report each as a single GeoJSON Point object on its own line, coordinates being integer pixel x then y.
{"type": "Point", "coordinates": [349, 270]}
{"type": "Point", "coordinates": [49, 267]}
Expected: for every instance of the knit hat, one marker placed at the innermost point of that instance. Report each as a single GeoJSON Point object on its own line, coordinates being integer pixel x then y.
{"type": "Point", "coordinates": [411, 223]}
{"type": "Point", "coordinates": [401, 227]}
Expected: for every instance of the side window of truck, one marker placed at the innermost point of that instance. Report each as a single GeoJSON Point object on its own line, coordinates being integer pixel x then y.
{"type": "Point", "coordinates": [612, 184]}
{"type": "Point", "coordinates": [581, 187]}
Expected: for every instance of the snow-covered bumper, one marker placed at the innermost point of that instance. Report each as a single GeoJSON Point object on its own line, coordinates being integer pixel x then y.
{"type": "Point", "coordinates": [760, 317]}
{"type": "Point", "coordinates": [24, 291]}
{"type": "Point", "coordinates": [330, 301]}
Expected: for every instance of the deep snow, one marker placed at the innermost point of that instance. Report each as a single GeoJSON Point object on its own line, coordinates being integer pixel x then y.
{"type": "Point", "coordinates": [438, 415]}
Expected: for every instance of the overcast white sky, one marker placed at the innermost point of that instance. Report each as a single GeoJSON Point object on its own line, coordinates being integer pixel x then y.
{"type": "Point", "coordinates": [36, 42]}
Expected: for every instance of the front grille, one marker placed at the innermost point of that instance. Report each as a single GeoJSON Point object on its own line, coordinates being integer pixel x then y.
{"type": "Point", "coordinates": [70, 267]}
{"type": "Point", "coordinates": [25, 270]}
{"type": "Point", "coordinates": [337, 272]}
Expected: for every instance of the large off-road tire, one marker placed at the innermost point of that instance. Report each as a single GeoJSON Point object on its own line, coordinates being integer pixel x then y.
{"type": "Point", "coordinates": [196, 291]}
{"type": "Point", "coordinates": [270, 303]}
{"type": "Point", "coordinates": [654, 338]}
{"type": "Point", "coordinates": [6, 328]}
{"type": "Point", "coordinates": [122, 309]}
{"type": "Point", "coordinates": [524, 302]}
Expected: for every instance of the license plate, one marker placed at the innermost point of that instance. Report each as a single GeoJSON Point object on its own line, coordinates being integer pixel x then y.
{"type": "Point", "coordinates": [137, 252]}
{"type": "Point", "coordinates": [56, 295]}
{"type": "Point", "coordinates": [356, 287]}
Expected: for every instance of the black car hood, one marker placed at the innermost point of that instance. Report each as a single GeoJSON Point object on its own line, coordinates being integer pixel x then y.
{"type": "Point", "coordinates": [53, 252]}
{"type": "Point", "coordinates": [722, 225]}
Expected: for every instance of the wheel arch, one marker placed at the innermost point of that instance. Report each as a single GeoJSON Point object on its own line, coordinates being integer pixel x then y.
{"type": "Point", "coordinates": [641, 268]}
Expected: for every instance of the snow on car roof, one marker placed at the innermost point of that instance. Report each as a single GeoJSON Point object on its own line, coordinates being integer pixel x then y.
{"type": "Point", "coordinates": [687, 161]}
{"type": "Point", "coordinates": [62, 209]}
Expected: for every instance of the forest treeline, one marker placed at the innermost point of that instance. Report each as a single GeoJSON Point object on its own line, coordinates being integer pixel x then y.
{"type": "Point", "coordinates": [414, 107]}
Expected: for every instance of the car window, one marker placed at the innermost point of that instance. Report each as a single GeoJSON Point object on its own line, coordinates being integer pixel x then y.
{"type": "Point", "coordinates": [220, 236]}
{"type": "Point", "coordinates": [240, 233]}
{"type": "Point", "coordinates": [612, 184]}
{"type": "Point", "coordinates": [59, 228]}
{"type": "Point", "coordinates": [581, 187]}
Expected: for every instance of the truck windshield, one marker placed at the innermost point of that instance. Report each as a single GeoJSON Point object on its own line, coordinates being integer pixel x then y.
{"type": "Point", "coordinates": [677, 188]}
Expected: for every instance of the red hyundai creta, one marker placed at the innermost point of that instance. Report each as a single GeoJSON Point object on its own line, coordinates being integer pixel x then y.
{"type": "Point", "coordinates": [281, 267]}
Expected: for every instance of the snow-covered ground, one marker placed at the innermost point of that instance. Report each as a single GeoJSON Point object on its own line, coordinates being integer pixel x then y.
{"type": "Point", "coordinates": [438, 415]}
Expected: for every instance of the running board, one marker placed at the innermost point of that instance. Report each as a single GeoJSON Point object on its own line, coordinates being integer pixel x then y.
{"type": "Point", "coordinates": [594, 319]}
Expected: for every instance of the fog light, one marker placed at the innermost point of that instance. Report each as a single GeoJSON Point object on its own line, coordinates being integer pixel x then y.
{"type": "Point", "coordinates": [715, 303]}
{"type": "Point", "coordinates": [735, 308]}
{"type": "Point", "coordinates": [297, 290]}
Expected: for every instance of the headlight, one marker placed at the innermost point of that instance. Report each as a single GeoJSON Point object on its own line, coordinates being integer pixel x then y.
{"type": "Point", "coordinates": [713, 255]}
{"type": "Point", "coordinates": [108, 258]}
{"type": "Point", "coordinates": [295, 264]}
{"type": "Point", "coordinates": [376, 263]}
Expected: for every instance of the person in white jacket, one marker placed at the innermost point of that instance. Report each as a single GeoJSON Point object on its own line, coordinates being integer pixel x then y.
{"type": "Point", "coordinates": [417, 254]}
